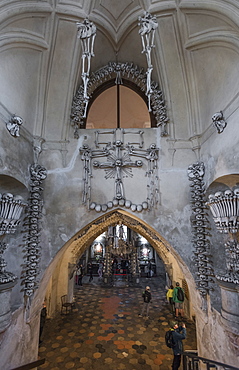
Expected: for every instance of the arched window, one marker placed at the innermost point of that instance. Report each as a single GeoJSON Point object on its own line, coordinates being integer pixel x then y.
{"type": "Point", "coordinates": [117, 99]}
{"type": "Point", "coordinates": [118, 107]}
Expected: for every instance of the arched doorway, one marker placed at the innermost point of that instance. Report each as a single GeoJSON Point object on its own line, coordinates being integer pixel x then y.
{"type": "Point", "coordinates": [56, 281]}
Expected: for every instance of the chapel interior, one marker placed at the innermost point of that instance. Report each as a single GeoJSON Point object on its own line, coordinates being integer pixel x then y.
{"type": "Point", "coordinates": [119, 142]}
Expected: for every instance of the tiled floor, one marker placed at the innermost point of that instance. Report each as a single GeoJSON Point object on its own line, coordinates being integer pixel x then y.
{"type": "Point", "coordinates": [105, 332]}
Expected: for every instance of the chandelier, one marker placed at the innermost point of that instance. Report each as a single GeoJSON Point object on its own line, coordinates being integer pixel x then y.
{"type": "Point", "coordinates": [117, 242]}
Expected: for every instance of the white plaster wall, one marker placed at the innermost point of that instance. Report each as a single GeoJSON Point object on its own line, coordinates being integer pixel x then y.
{"type": "Point", "coordinates": [196, 62]}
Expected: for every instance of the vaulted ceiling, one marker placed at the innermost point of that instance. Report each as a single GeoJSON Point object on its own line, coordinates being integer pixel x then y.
{"type": "Point", "coordinates": [195, 59]}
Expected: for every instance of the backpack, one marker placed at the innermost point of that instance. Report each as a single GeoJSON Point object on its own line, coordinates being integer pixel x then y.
{"type": "Point", "coordinates": [145, 297]}
{"type": "Point", "coordinates": [169, 339]}
{"type": "Point", "coordinates": [180, 294]}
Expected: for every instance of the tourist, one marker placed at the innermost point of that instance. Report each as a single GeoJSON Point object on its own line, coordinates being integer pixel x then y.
{"type": "Point", "coordinates": [169, 296]}
{"type": "Point", "coordinates": [178, 334]}
{"type": "Point", "coordinates": [178, 299]}
{"type": "Point", "coordinates": [147, 298]}
{"type": "Point", "coordinates": [90, 270]}
{"type": "Point", "coordinates": [79, 275]}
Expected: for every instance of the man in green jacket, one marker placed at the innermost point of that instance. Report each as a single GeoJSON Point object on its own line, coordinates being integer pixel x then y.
{"type": "Point", "coordinates": [178, 299]}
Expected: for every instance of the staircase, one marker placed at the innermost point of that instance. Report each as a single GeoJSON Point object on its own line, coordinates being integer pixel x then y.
{"type": "Point", "coordinates": [191, 361]}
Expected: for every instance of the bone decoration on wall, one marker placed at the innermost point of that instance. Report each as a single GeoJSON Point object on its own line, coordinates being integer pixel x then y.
{"type": "Point", "coordinates": [219, 122]}
{"type": "Point", "coordinates": [118, 159]}
{"type": "Point", "coordinates": [148, 24]}
{"type": "Point", "coordinates": [200, 224]}
{"type": "Point", "coordinates": [13, 125]}
{"type": "Point", "coordinates": [224, 206]}
{"type": "Point", "coordinates": [120, 71]}
{"type": "Point", "coordinates": [11, 207]}
{"type": "Point", "coordinates": [86, 33]}
{"type": "Point", "coordinates": [33, 249]}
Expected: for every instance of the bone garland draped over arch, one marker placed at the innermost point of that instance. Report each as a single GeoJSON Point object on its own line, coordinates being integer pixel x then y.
{"type": "Point", "coordinates": [100, 225]}
{"type": "Point", "coordinates": [200, 225]}
{"type": "Point", "coordinates": [118, 71]}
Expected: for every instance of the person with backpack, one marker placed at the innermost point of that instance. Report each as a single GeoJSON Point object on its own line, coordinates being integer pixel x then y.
{"type": "Point", "coordinates": [173, 339]}
{"type": "Point", "coordinates": [178, 299]}
{"type": "Point", "coordinates": [147, 298]}
{"type": "Point", "coordinates": [169, 296]}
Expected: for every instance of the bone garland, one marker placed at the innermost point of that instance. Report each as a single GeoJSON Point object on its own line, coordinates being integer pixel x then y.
{"type": "Point", "coordinates": [33, 249]}
{"type": "Point", "coordinates": [200, 225]}
{"type": "Point", "coordinates": [130, 72]}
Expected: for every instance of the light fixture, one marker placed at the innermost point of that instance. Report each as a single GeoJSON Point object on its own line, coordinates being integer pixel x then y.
{"type": "Point", "coordinates": [117, 241]}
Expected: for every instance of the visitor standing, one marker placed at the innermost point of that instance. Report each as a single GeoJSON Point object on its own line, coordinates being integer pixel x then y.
{"type": "Point", "coordinates": [178, 299]}
{"type": "Point", "coordinates": [90, 270]}
{"type": "Point", "coordinates": [147, 298]}
{"type": "Point", "coordinates": [79, 274]}
{"type": "Point", "coordinates": [178, 334]}
{"type": "Point", "coordinates": [150, 270]}
{"type": "Point", "coordinates": [100, 270]}
{"type": "Point", "coordinates": [42, 321]}
{"type": "Point", "coordinates": [169, 296]}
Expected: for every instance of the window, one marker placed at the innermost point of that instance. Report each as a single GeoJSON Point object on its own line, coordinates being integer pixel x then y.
{"type": "Point", "coordinates": [118, 107]}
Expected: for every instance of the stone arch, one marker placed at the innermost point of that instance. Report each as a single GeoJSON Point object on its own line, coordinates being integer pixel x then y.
{"type": "Point", "coordinates": [57, 274]}
{"type": "Point", "coordinates": [89, 233]}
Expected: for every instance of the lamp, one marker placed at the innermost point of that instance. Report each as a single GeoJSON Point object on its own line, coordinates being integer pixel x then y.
{"type": "Point", "coordinates": [117, 241]}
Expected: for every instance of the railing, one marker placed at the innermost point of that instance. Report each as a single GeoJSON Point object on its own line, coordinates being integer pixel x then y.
{"type": "Point", "coordinates": [32, 365]}
{"type": "Point", "coordinates": [191, 361]}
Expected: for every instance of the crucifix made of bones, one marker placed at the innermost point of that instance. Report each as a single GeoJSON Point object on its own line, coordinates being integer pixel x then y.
{"type": "Point", "coordinates": [119, 164]}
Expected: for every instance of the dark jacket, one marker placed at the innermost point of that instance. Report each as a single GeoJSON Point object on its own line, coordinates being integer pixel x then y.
{"type": "Point", "coordinates": [178, 335]}
{"type": "Point", "coordinates": [147, 296]}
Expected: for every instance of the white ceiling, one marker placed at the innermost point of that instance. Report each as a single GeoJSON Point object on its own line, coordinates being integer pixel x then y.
{"type": "Point", "coordinates": [195, 60]}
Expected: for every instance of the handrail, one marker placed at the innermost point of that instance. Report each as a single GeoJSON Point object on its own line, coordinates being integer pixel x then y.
{"type": "Point", "coordinates": [31, 365]}
{"type": "Point", "coordinates": [210, 363]}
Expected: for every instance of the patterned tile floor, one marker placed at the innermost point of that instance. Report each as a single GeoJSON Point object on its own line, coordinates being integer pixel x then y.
{"type": "Point", "coordinates": [104, 330]}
